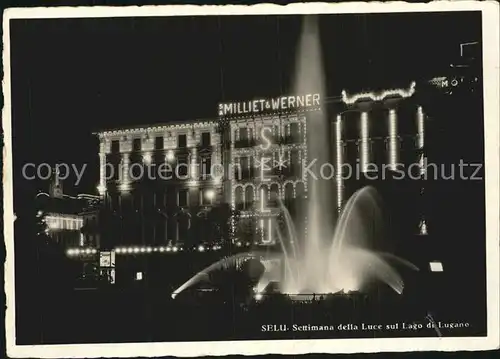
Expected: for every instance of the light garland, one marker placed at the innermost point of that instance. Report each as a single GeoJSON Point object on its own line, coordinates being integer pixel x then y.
{"type": "Point", "coordinates": [165, 249]}
{"type": "Point", "coordinates": [210, 124]}
{"type": "Point", "coordinates": [72, 252]}
{"type": "Point", "coordinates": [403, 93]}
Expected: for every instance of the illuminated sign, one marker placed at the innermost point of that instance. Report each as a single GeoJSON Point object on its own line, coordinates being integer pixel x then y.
{"type": "Point", "coordinates": [284, 103]}
{"type": "Point", "coordinates": [107, 259]}
{"type": "Point", "coordinates": [444, 82]}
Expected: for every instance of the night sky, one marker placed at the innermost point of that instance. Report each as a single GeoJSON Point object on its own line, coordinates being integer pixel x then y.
{"type": "Point", "coordinates": [71, 77]}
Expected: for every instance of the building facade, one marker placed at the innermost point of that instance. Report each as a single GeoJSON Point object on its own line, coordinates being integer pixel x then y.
{"type": "Point", "coordinates": [266, 154]}
{"type": "Point", "coordinates": [156, 183]}
{"type": "Point", "coordinates": [379, 136]}
{"type": "Point", "coordinates": [65, 217]}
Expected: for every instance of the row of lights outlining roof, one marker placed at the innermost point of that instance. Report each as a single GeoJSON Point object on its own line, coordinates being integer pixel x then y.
{"type": "Point", "coordinates": [373, 96]}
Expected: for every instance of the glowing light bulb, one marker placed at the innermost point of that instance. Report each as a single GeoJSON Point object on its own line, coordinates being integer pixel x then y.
{"type": "Point", "coordinates": [147, 158]}
{"type": "Point", "coordinates": [210, 194]}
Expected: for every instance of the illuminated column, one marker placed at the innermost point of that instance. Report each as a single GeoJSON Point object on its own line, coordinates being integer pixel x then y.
{"type": "Point", "coordinates": [102, 173]}
{"type": "Point", "coordinates": [194, 167]}
{"type": "Point", "coordinates": [364, 143]}
{"type": "Point", "coordinates": [393, 140]}
{"type": "Point", "coordinates": [125, 178]}
{"type": "Point", "coordinates": [421, 138]}
{"type": "Point", "coordinates": [339, 161]}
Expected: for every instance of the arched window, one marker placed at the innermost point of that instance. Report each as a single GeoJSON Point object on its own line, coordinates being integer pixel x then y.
{"type": "Point", "coordinates": [300, 190]}
{"type": "Point", "coordinates": [275, 195]}
{"type": "Point", "coordinates": [238, 197]}
{"type": "Point", "coordinates": [249, 197]}
{"type": "Point", "coordinates": [263, 195]}
{"type": "Point", "coordinates": [288, 192]}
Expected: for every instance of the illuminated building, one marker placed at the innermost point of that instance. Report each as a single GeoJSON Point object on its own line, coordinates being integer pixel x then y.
{"type": "Point", "coordinates": [266, 154]}
{"type": "Point", "coordinates": [64, 217]}
{"type": "Point", "coordinates": [380, 136]}
{"type": "Point", "coordinates": [156, 182]}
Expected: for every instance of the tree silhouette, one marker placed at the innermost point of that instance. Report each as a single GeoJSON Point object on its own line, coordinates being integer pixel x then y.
{"type": "Point", "coordinates": [221, 217]}
{"type": "Point", "coordinates": [41, 263]}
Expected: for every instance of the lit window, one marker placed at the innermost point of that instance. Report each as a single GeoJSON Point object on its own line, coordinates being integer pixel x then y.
{"type": "Point", "coordinates": [170, 156]}
{"type": "Point", "coordinates": [436, 266]}
{"type": "Point", "coordinates": [147, 158]}
{"type": "Point", "coordinates": [207, 197]}
{"type": "Point", "coordinates": [138, 276]}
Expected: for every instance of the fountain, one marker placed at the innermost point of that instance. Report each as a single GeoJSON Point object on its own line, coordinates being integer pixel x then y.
{"type": "Point", "coordinates": [332, 258]}
{"type": "Point", "coordinates": [343, 264]}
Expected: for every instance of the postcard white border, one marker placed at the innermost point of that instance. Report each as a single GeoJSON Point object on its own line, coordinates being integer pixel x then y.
{"type": "Point", "coordinates": [490, 23]}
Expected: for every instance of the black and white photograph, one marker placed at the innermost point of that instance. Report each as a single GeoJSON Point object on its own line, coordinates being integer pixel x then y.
{"type": "Point", "coordinates": [213, 180]}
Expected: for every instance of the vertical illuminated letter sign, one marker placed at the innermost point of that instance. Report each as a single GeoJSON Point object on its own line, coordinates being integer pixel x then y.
{"type": "Point", "coordinates": [265, 146]}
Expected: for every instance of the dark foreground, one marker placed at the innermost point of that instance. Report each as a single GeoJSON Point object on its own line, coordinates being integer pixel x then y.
{"type": "Point", "coordinates": [139, 315]}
